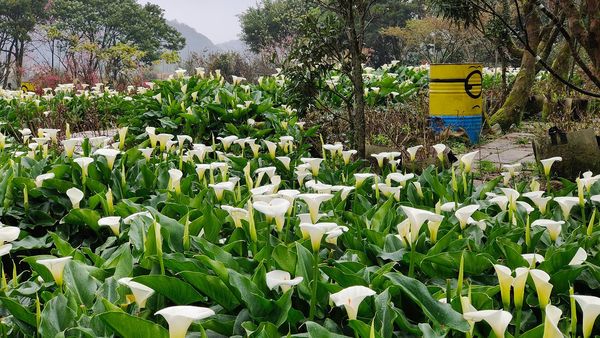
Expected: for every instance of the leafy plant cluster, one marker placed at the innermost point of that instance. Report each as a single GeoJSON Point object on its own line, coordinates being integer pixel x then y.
{"type": "Point", "coordinates": [248, 234]}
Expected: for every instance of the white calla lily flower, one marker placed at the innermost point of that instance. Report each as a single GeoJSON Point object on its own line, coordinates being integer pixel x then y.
{"type": "Point", "coordinates": [221, 187]}
{"type": "Point", "coordinates": [448, 207]}
{"type": "Point", "coordinates": [84, 163]}
{"type": "Point", "coordinates": [151, 131]}
{"type": "Point", "coordinates": [237, 214]}
{"type": "Point", "coordinates": [281, 279]}
{"type": "Point", "coordinates": [316, 231]}
{"type": "Point", "coordinates": [5, 249]}
{"type": "Point", "coordinates": [181, 317]}
{"type": "Point", "coordinates": [467, 160]}
{"type": "Point", "coordinates": [70, 144]}
{"type": "Point", "coordinates": [163, 140]}
{"type": "Point", "coordinates": [56, 267]}
{"type": "Point", "coordinates": [181, 140]}
{"type": "Point", "coordinates": [554, 227]}
{"type": "Point", "coordinates": [276, 208]}
{"type": "Point", "coordinates": [360, 178]}
{"type": "Point", "coordinates": [350, 298]}
{"type": "Point", "coordinates": [580, 257]}
{"type": "Point", "coordinates": [39, 180]}
{"type": "Point", "coordinates": [109, 154]}
{"type": "Point", "coordinates": [541, 279]}
{"type": "Point", "coordinates": [175, 176]}
{"type": "Point", "coordinates": [113, 222]}
{"type": "Point", "coordinates": [533, 258]}
{"type": "Point", "coordinates": [547, 164]}
{"type": "Point", "coordinates": [417, 217]}
{"type": "Point", "coordinates": [332, 235]}
{"type": "Point", "coordinates": [9, 234]}
{"type": "Point", "coordinates": [505, 280]}
{"type": "Point", "coordinates": [518, 284]}
{"type": "Point", "coordinates": [140, 292]}
{"type": "Point", "coordinates": [227, 141]}
{"type": "Point", "coordinates": [439, 150]}
{"type": "Point", "coordinates": [566, 203]}
{"type": "Point", "coordinates": [590, 307]}
{"type": "Point", "coordinates": [285, 161]}
{"type": "Point", "coordinates": [412, 152]}
{"type": "Point", "coordinates": [347, 154]}
{"type": "Point", "coordinates": [463, 214]}
{"type": "Point", "coordinates": [497, 319]}
{"type": "Point", "coordinates": [75, 195]}
{"type": "Point", "coordinates": [539, 201]}
{"type": "Point", "coordinates": [551, 329]}
{"type": "Point", "coordinates": [380, 157]}
{"type": "Point", "coordinates": [313, 201]}
{"type": "Point", "coordinates": [314, 164]}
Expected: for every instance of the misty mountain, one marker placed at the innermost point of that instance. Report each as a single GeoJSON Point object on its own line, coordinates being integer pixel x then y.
{"type": "Point", "coordinates": [201, 44]}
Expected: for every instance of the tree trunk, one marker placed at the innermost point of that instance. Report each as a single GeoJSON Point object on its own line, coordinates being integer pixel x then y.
{"type": "Point", "coordinates": [20, 53]}
{"type": "Point", "coordinates": [512, 109]}
{"type": "Point", "coordinates": [359, 108]}
{"type": "Point", "coordinates": [562, 64]}
{"type": "Point", "coordinates": [358, 118]}
{"type": "Point", "coordinates": [585, 28]}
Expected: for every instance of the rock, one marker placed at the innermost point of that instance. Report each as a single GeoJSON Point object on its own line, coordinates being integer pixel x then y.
{"type": "Point", "coordinates": [579, 151]}
{"type": "Point", "coordinates": [496, 129]}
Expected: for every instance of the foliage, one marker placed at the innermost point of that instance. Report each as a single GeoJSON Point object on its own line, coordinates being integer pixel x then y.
{"type": "Point", "coordinates": [251, 67]}
{"type": "Point", "coordinates": [110, 36]}
{"type": "Point", "coordinates": [434, 40]}
{"type": "Point", "coordinates": [176, 235]}
{"type": "Point", "coordinates": [17, 21]}
{"type": "Point", "coordinates": [272, 25]}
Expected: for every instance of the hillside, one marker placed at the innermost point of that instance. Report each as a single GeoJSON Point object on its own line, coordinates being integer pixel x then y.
{"type": "Point", "coordinates": [201, 44]}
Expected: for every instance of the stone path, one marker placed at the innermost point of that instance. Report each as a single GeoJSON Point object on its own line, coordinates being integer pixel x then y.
{"type": "Point", "coordinates": [508, 149]}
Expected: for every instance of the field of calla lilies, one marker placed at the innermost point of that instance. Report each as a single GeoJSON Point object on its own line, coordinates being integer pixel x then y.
{"type": "Point", "coordinates": [243, 229]}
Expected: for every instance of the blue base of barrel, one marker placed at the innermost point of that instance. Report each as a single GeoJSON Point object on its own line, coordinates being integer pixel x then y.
{"type": "Point", "coordinates": [470, 124]}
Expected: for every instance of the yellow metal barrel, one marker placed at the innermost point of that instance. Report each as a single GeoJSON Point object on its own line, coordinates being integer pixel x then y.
{"type": "Point", "coordinates": [455, 97]}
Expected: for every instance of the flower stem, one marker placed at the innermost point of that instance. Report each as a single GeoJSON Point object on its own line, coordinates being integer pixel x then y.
{"type": "Point", "coordinates": [528, 234]}
{"type": "Point", "coordinates": [313, 296]}
{"type": "Point", "coordinates": [518, 323]}
{"type": "Point", "coordinates": [411, 267]}
{"type": "Point", "coordinates": [573, 313]}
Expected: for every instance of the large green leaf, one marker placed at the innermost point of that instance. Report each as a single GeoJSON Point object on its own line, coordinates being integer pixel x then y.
{"type": "Point", "coordinates": [250, 294]}
{"type": "Point", "coordinates": [78, 280]}
{"type": "Point", "coordinates": [316, 330]}
{"type": "Point", "coordinates": [440, 314]}
{"type": "Point", "coordinates": [175, 289]}
{"type": "Point", "coordinates": [57, 316]}
{"type": "Point", "coordinates": [18, 311]}
{"type": "Point", "coordinates": [213, 287]}
{"type": "Point", "coordinates": [377, 222]}
{"type": "Point", "coordinates": [128, 326]}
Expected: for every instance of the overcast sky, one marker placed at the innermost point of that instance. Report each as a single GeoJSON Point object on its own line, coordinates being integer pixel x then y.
{"type": "Point", "coordinates": [216, 19]}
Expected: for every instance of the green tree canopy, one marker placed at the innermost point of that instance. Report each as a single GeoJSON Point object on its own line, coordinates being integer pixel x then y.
{"type": "Point", "coordinates": [17, 20]}
{"type": "Point", "coordinates": [272, 25]}
{"type": "Point", "coordinates": [98, 26]}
